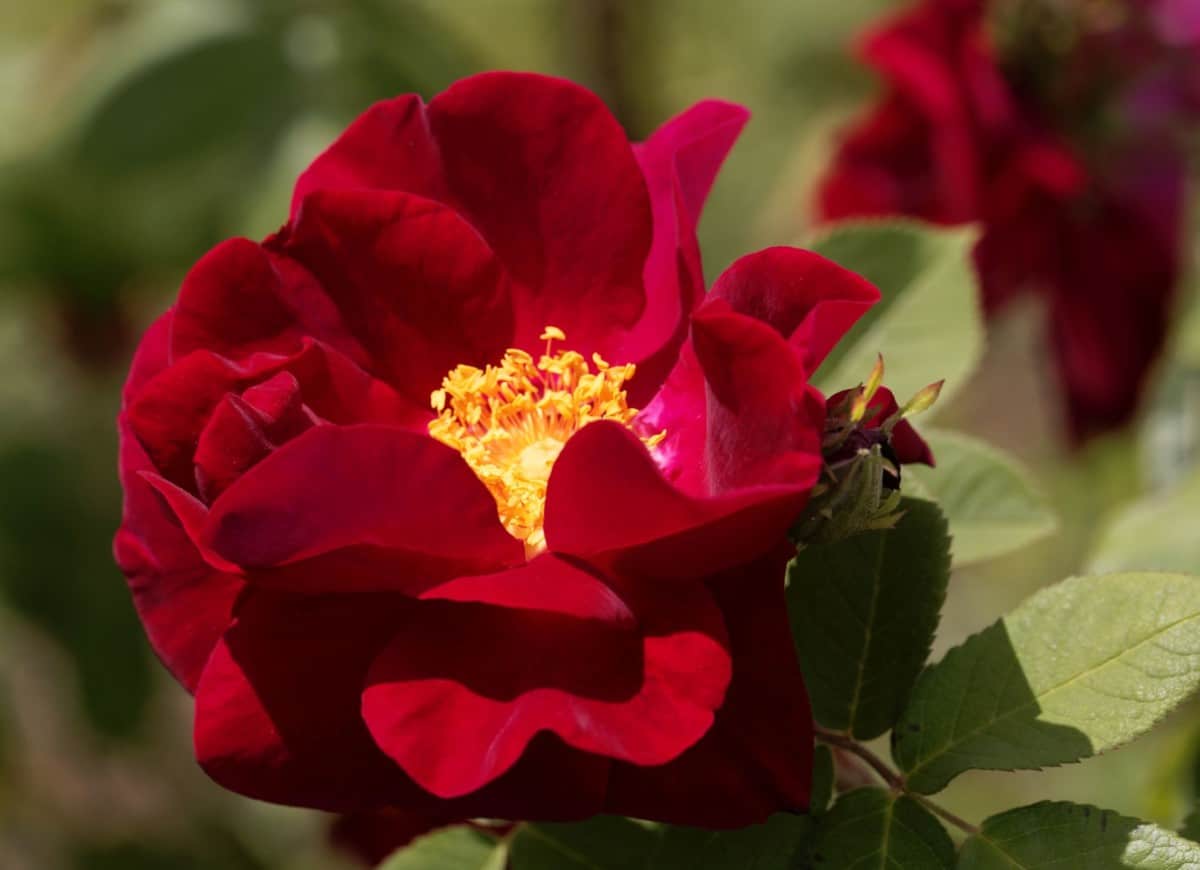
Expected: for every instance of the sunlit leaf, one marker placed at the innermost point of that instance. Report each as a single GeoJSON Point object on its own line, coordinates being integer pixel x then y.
{"type": "Point", "coordinates": [1066, 836]}
{"type": "Point", "coordinates": [1157, 533]}
{"type": "Point", "coordinates": [991, 503]}
{"type": "Point", "coordinates": [1075, 670]}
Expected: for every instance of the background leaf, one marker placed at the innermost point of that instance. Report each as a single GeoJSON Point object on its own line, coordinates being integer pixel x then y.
{"type": "Point", "coordinates": [1077, 669]}
{"type": "Point", "coordinates": [611, 843]}
{"type": "Point", "coordinates": [928, 325]}
{"type": "Point", "coordinates": [1156, 533]}
{"type": "Point", "coordinates": [458, 848]}
{"type": "Point", "coordinates": [186, 102]}
{"type": "Point", "coordinates": [1069, 836]}
{"type": "Point", "coordinates": [68, 591]}
{"type": "Point", "coordinates": [992, 505]}
{"type": "Point", "coordinates": [602, 843]}
{"type": "Point", "coordinates": [863, 614]}
{"type": "Point", "coordinates": [870, 827]}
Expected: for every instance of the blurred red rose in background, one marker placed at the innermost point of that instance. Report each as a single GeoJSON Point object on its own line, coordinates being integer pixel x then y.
{"type": "Point", "coordinates": [969, 130]}
{"type": "Point", "coordinates": [410, 549]}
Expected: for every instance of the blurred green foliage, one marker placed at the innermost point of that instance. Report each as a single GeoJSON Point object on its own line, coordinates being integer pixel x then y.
{"type": "Point", "coordinates": [50, 543]}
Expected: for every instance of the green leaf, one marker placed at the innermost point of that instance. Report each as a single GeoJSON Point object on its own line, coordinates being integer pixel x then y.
{"type": "Point", "coordinates": [774, 845]}
{"type": "Point", "coordinates": [928, 325]}
{"type": "Point", "coordinates": [863, 612]}
{"type": "Point", "coordinates": [1157, 533]}
{"type": "Point", "coordinates": [873, 828]}
{"type": "Point", "coordinates": [602, 843]}
{"type": "Point", "coordinates": [459, 848]}
{"type": "Point", "coordinates": [991, 503]}
{"type": "Point", "coordinates": [190, 101]}
{"type": "Point", "coordinates": [1075, 670]}
{"type": "Point", "coordinates": [1191, 826]}
{"type": "Point", "coordinates": [76, 599]}
{"type": "Point", "coordinates": [611, 843]}
{"type": "Point", "coordinates": [1067, 836]}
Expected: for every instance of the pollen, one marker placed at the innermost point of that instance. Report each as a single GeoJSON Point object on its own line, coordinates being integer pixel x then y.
{"type": "Point", "coordinates": [510, 421]}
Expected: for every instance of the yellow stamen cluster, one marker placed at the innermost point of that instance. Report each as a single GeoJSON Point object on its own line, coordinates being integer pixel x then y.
{"type": "Point", "coordinates": [510, 421]}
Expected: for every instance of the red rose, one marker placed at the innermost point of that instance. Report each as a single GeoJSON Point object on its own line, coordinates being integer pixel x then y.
{"type": "Point", "coordinates": [953, 141]}
{"type": "Point", "coordinates": [536, 602]}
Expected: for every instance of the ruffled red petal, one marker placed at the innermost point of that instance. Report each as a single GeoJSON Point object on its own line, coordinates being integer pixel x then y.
{"type": "Point", "coordinates": [171, 410]}
{"type": "Point", "coordinates": [241, 298]}
{"type": "Point", "coordinates": [456, 720]}
{"type": "Point", "coordinates": [388, 147]}
{"type": "Point", "coordinates": [183, 602]}
{"type": "Point", "coordinates": [414, 282]}
{"type": "Point", "coordinates": [680, 162]}
{"type": "Point", "coordinates": [608, 502]}
{"type": "Point", "coordinates": [757, 758]}
{"type": "Point", "coordinates": [736, 409]}
{"type": "Point", "coordinates": [359, 507]}
{"type": "Point", "coordinates": [807, 298]}
{"type": "Point", "coordinates": [764, 422]}
{"type": "Point", "coordinates": [245, 429]}
{"type": "Point", "coordinates": [540, 168]}
{"type": "Point", "coordinates": [277, 706]}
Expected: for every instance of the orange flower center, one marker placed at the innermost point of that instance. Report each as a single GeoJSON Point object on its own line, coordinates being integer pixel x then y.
{"type": "Point", "coordinates": [510, 422]}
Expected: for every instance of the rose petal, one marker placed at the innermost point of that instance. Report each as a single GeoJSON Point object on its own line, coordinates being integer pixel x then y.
{"type": "Point", "coordinates": [687, 152]}
{"type": "Point", "coordinates": [277, 706]}
{"type": "Point", "coordinates": [757, 758]}
{"type": "Point", "coordinates": [546, 173]}
{"type": "Point", "coordinates": [679, 411]}
{"type": "Point", "coordinates": [183, 602]}
{"type": "Point", "coordinates": [680, 161]}
{"type": "Point", "coordinates": [388, 147]}
{"type": "Point", "coordinates": [456, 721]}
{"type": "Point", "coordinates": [172, 409]}
{"type": "Point", "coordinates": [415, 283]}
{"type": "Point", "coordinates": [245, 429]}
{"type": "Point", "coordinates": [608, 502]}
{"type": "Point", "coordinates": [151, 357]}
{"type": "Point", "coordinates": [764, 423]}
{"type": "Point", "coordinates": [378, 507]}
{"type": "Point", "coordinates": [541, 169]}
{"type": "Point", "coordinates": [277, 718]}
{"type": "Point", "coordinates": [810, 300]}
{"type": "Point", "coordinates": [240, 298]}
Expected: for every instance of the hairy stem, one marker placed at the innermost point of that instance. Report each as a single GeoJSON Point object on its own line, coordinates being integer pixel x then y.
{"type": "Point", "coordinates": [893, 779]}
{"type": "Point", "coordinates": [938, 810]}
{"type": "Point", "coordinates": [873, 761]}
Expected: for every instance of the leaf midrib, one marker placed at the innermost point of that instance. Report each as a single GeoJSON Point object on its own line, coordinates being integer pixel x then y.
{"type": "Point", "coordinates": [868, 633]}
